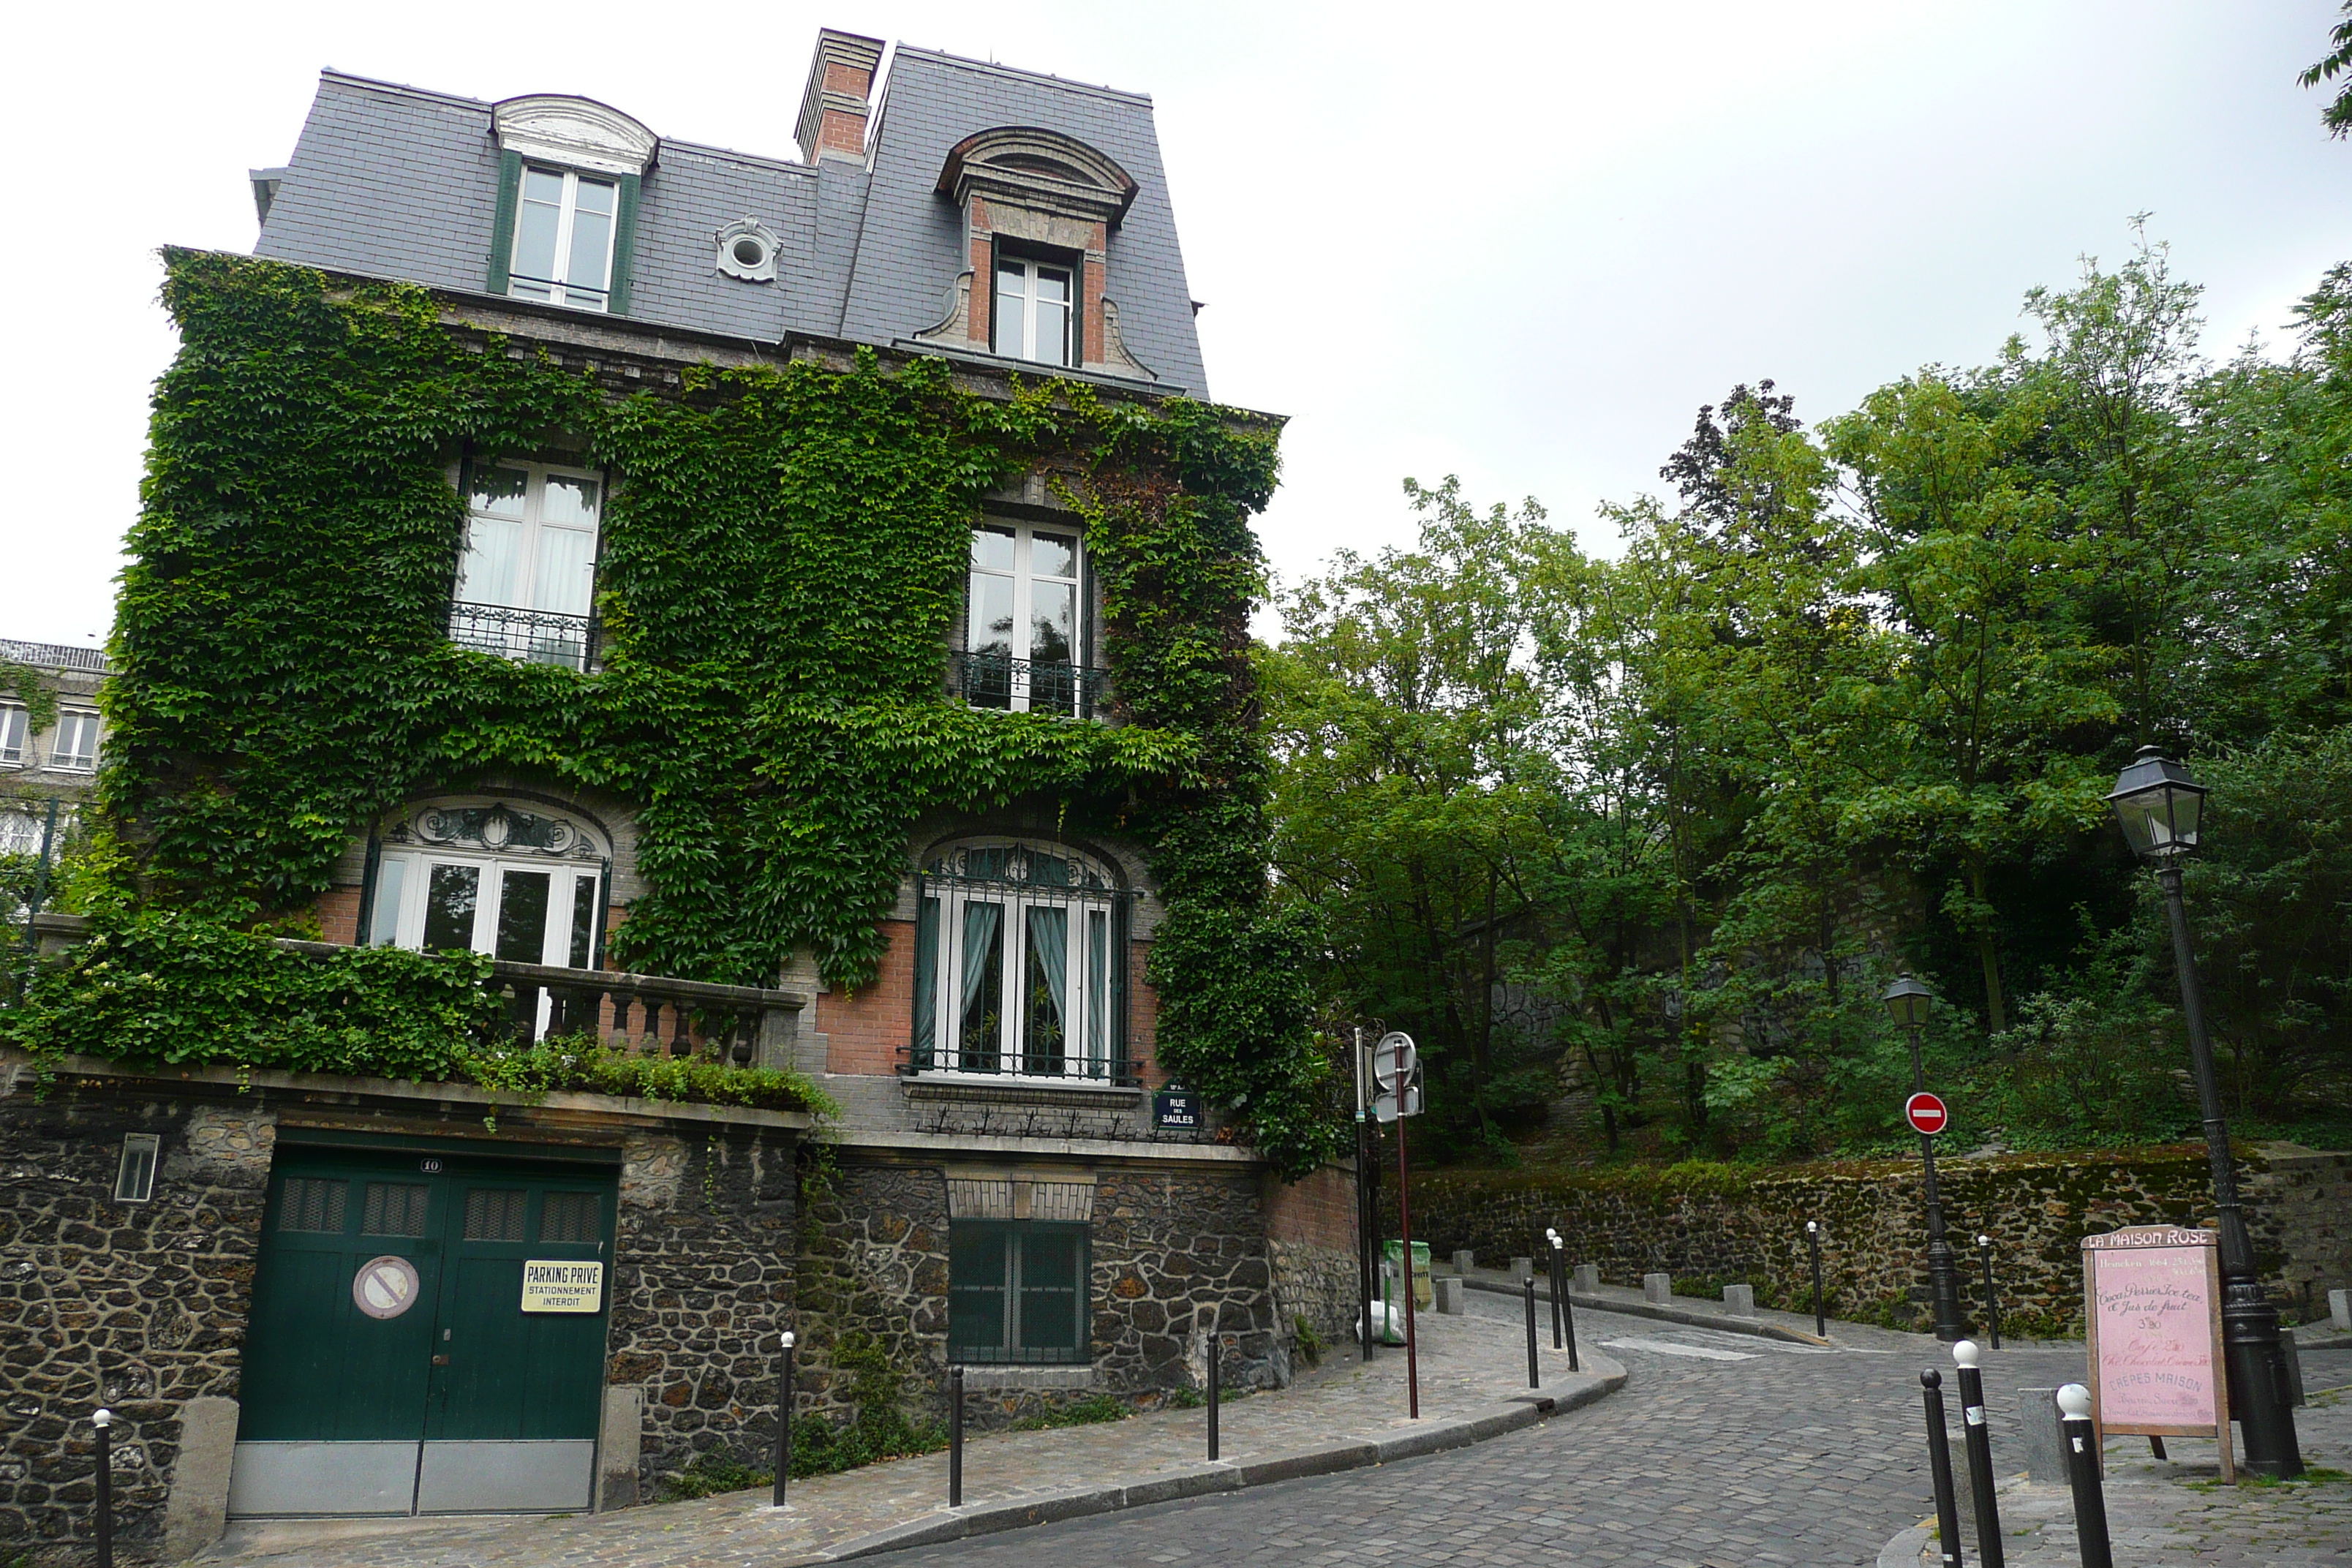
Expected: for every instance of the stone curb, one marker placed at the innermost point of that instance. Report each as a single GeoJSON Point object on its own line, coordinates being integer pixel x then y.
{"type": "Point", "coordinates": [1904, 1551]}
{"type": "Point", "coordinates": [945, 1526]}
{"type": "Point", "coordinates": [1682, 1315]}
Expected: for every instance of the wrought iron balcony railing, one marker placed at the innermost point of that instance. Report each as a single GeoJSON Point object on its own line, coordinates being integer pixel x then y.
{"type": "Point", "coordinates": [526, 637]}
{"type": "Point", "coordinates": [1032, 686]}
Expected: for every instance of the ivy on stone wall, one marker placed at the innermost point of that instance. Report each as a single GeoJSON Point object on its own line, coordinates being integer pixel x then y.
{"type": "Point", "coordinates": [782, 556]}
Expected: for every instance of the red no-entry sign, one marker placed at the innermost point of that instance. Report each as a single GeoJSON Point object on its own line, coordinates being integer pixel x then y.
{"type": "Point", "coordinates": [1925, 1113]}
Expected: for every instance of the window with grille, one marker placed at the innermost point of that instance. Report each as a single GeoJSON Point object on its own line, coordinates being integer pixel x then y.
{"type": "Point", "coordinates": [312, 1202]}
{"type": "Point", "coordinates": [1018, 1292]}
{"type": "Point", "coordinates": [571, 1216]}
{"type": "Point", "coordinates": [1020, 965]}
{"type": "Point", "coordinates": [494, 1213]}
{"type": "Point", "coordinates": [394, 1208]}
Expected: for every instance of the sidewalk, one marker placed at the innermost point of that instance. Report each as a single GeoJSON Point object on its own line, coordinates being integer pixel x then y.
{"type": "Point", "coordinates": [1694, 1312]}
{"type": "Point", "coordinates": [2177, 1514]}
{"type": "Point", "coordinates": [1473, 1387]}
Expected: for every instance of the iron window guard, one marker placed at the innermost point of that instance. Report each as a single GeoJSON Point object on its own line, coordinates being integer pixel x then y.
{"type": "Point", "coordinates": [1000, 680]}
{"type": "Point", "coordinates": [525, 637]}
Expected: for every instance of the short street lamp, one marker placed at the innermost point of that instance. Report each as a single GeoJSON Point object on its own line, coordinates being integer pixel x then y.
{"type": "Point", "coordinates": [2162, 806]}
{"type": "Point", "coordinates": [1907, 1002]}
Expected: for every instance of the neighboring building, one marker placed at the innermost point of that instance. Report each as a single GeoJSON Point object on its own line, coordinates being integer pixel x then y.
{"type": "Point", "coordinates": [45, 773]}
{"type": "Point", "coordinates": [327, 1267]}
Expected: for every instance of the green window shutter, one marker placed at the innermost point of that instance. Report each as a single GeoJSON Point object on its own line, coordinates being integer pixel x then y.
{"type": "Point", "coordinates": [979, 1275]}
{"type": "Point", "coordinates": [1050, 1315]}
{"type": "Point", "coordinates": [502, 221]}
{"type": "Point", "coordinates": [624, 245]}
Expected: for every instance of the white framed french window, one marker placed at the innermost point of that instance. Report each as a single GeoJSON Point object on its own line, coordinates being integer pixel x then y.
{"type": "Point", "coordinates": [1017, 954]}
{"type": "Point", "coordinates": [74, 746]}
{"type": "Point", "coordinates": [13, 724]}
{"type": "Point", "coordinates": [526, 579]}
{"type": "Point", "coordinates": [1033, 314]}
{"type": "Point", "coordinates": [564, 223]}
{"type": "Point", "coordinates": [1025, 619]}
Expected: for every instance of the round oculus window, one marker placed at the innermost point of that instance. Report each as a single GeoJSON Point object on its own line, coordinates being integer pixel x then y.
{"type": "Point", "coordinates": [749, 252]}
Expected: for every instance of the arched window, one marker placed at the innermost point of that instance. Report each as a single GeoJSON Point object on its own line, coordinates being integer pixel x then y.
{"type": "Point", "coordinates": [522, 883]}
{"type": "Point", "coordinates": [1021, 965]}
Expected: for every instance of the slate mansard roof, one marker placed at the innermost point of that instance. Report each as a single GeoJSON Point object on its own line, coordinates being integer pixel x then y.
{"type": "Point", "coordinates": [394, 182]}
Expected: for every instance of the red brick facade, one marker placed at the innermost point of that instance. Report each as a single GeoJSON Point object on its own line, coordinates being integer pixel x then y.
{"type": "Point", "coordinates": [1318, 1210]}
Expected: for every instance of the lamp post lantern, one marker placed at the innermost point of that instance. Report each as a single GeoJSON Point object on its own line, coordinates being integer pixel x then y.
{"type": "Point", "coordinates": [1907, 1002]}
{"type": "Point", "coordinates": [2161, 808]}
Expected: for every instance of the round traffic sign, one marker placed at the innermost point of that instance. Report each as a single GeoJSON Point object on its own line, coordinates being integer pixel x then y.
{"type": "Point", "coordinates": [1925, 1113]}
{"type": "Point", "coordinates": [1393, 1059]}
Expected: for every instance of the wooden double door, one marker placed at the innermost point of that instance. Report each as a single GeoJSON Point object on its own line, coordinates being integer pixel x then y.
{"type": "Point", "coordinates": [427, 1336]}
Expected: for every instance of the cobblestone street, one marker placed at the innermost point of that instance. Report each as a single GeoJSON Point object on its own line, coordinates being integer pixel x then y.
{"type": "Point", "coordinates": [1722, 1450]}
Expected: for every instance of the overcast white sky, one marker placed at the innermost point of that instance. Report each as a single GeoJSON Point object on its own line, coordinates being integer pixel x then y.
{"type": "Point", "coordinates": [1520, 243]}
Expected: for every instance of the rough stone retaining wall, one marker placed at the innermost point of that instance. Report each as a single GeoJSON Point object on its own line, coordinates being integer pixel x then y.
{"type": "Point", "coordinates": [141, 1307]}
{"type": "Point", "coordinates": [1172, 1250]}
{"type": "Point", "coordinates": [702, 1279]}
{"type": "Point", "coordinates": [1710, 1224]}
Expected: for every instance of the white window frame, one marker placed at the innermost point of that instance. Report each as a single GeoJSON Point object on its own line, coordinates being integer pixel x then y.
{"type": "Point", "coordinates": [1027, 269]}
{"type": "Point", "coordinates": [15, 725]}
{"type": "Point", "coordinates": [534, 526]}
{"type": "Point", "coordinates": [82, 722]}
{"type": "Point", "coordinates": [1089, 1034]}
{"type": "Point", "coordinates": [1024, 580]}
{"type": "Point", "coordinates": [559, 291]}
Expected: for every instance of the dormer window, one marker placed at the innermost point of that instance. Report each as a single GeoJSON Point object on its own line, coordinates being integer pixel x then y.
{"type": "Point", "coordinates": [563, 239]}
{"type": "Point", "coordinates": [1033, 311]}
{"type": "Point", "coordinates": [569, 172]}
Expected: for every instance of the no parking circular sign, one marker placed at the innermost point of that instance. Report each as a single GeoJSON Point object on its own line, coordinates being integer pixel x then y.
{"type": "Point", "coordinates": [1926, 1114]}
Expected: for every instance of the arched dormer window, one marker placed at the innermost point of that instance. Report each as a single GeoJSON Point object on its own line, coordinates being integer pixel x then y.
{"type": "Point", "coordinates": [1020, 964]}
{"type": "Point", "coordinates": [1040, 208]}
{"type": "Point", "coordinates": [521, 882]}
{"type": "Point", "coordinates": [570, 174]}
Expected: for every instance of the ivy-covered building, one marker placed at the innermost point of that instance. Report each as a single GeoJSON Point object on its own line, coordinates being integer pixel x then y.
{"type": "Point", "coordinates": [682, 762]}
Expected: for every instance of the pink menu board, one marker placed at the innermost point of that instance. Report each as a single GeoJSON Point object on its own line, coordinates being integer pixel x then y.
{"type": "Point", "coordinates": [2152, 1296]}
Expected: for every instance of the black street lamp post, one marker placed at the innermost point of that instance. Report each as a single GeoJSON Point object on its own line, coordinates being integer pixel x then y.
{"type": "Point", "coordinates": [1907, 1002]}
{"type": "Point", "coordinates": [2161, 806]}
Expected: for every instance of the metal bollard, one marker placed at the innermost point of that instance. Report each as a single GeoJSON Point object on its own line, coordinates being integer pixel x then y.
{"type": "Point", "coordinates": [1551, 1259]}
{"type": "Point", "coordinates": [955, 1436]}
{"type": "Point", "coordinates": [1813, 1235]}
{"type": "Point", "coordinates": [2083, 1474]}
{"type": "Point", "coordinates": [784, 1412]}
{"type": "Point", "coordinates": [1992, 1302]}
{"type": "Point", "coordinates": [1979, 1445]}
{"type": "Point", "coordinates": [104, 1421]}
{"type": "Point", "coordinates": [1535, 1379]}
{"type": "Point", "coordinates": [1568, 1315]}
{"type": "Point", "coordinates": [1940, 1470]}
{"type": "Point", "coordinates": [1213, 1380]}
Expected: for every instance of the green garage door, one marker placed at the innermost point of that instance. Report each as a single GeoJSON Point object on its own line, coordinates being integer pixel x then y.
{"type": "Point", "coordinates": [427, 1336]}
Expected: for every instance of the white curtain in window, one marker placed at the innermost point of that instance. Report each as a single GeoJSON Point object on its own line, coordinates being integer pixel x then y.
{"type": "Point", "coordinates": [1097, 985]}
{"type": "Point", "coordinates": [566, 557]}
{"type": "Point", "coordinates": [493, 546]}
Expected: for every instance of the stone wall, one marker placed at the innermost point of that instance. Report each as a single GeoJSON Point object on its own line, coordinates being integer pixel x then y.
{"type": "Point", "coordinates": [1310, 1227]}
{"type": "Point", "coordinates": [1713, 1224]}
{"type": "Point", "coordinates": [140, 1307]}
{"type": "Point", "coordinates": [1173, 1249]}
{"type": "Point", "coordinates": [702, 1280]}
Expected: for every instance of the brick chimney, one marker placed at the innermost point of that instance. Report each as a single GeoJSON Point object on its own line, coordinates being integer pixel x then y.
{"type": "Point", "coordinates": [834, 108]}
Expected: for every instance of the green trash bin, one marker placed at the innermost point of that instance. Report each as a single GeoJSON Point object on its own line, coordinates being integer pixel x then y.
{"type": "Point", "coordinates": [1424, 1295]}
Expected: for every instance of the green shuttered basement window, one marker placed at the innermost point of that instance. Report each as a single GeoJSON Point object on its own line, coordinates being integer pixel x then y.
{"type": "Point", "coordinates": [1018, 1292]}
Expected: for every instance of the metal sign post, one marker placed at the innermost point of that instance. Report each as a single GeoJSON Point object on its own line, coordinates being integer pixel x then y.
{"type": "Point", "coordinates": [1396, 1067]}
{"type": "Point", "coordinates": [1366, 1189]}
